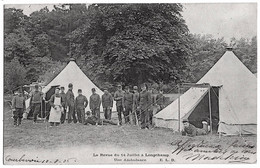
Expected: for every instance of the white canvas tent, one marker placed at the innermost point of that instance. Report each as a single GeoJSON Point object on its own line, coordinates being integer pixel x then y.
{"type": "Point", "coordinates": [73, 74]}
{"type": "Point", "coordinates": [237, 98]}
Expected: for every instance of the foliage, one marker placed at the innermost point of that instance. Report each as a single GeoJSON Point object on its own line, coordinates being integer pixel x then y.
{"type": "Point", "coordinates": [133, 43]}
{"type": "Point", "coordinates": [206, 51]}
{"type": "Point", "coordinates": [14, 75]}
{"type": "Point", "coordinates": [246, 50]}
{"type": "Point", "coordinates": [113, 43]}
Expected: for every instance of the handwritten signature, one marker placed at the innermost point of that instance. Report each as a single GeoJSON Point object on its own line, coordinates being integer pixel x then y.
{"type": "Point", "coordinates": [38, 160]}
{"type": "Point", "coordinates": [203, 150]}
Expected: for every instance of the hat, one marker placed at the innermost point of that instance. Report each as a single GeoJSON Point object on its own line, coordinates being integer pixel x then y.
{"type": "Point", "coordinates": [185, 120]}
{"type": "Point", "coordinates": [79, 90]}
{"type": "Point", "coordinates": [119, 85]}
{"type": "Point", "coordinates": [70, 85]}
{"type": "Point", "coordinates": [135, 88]}
{"type": "Point", "coordinates": [36, 86]}
{"type": "Point", "coordinates": [62, 87]}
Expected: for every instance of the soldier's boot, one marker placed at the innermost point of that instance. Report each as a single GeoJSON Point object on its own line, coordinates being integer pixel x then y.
{"type": "Point", "coordinates": [15, 121]}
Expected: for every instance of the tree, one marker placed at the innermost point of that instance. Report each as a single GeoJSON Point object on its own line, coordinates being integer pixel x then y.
{"type": "Point", "coordinates": [246, 50]}
{"type": "Point", "coordinates": [13, 19]}
{"type": "Point", "coordinates": [133, 43]}
{"type": "Point", "coordinates": [206, 51]}
{"type": "Point", "coordinates": [14, 75]}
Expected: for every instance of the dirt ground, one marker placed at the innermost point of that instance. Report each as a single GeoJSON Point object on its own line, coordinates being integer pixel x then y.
{"type": "Point", "coordinates": [29, 138]}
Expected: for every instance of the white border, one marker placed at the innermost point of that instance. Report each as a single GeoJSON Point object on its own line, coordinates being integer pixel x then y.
{"type": "Point", "coordinates": [2, 2]}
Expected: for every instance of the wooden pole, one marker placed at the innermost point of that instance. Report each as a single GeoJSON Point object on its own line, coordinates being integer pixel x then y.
{"type": "Point", "coordinates": [210, 115]}
{"type": "Point", "coordinates": [179, 108]}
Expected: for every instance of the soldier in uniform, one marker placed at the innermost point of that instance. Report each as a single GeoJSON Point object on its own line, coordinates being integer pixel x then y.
{"type": "Point", "coordinates": [191, 130]}
{"type": "Point", "coordinates": [63, 95]}
{"type": "Point", "coordinates": [18, 107]}
{"type": "Point", "coordinates": [127, 104]}
{"type": "Point", "coordinates": [81, 103]}
{"type": "Point", "coordinates": [94, 103]}
{"type": "Point", "coordinates": [71, 104]}
{"type": "Point", "coordinates": [150, 107]}
{"type": "Point", "coordinates": [107, 103]}
{"type": "Point", "coordinates": [35, 102]}
{"type": "Point", "coordinates": [136, 112]}
{"type": "Point", "coordinates": [145, 99]}
{"type": "Point", "coordinates": [118, 97]}
{"type": "Point", "coordinates": [93, 120]}
{"type": "Point", "coordinates": [160, 100]}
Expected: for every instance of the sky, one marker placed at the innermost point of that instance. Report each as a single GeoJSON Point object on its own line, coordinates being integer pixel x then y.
{"type": "Point", "coordinates": [226, 20]}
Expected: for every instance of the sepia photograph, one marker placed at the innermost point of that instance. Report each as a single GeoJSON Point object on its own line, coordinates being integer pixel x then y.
{"type": "Point", "coordinates": [129, 83]}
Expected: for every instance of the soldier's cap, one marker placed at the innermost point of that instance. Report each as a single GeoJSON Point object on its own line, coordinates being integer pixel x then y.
{"type": "Point", "coordinates": [185, 120]}
{"type": "Point", "coordinates": [135, 87]}
{"type": "Point", "coordinates": [93, 89]}
{"type": "Point", "coordinates": [79, 90]}
{"type": "Point", "coordinates": [104, 89]}
{"type": "Point", "coordinates": [62, 88]}
{"type": "Point", "coordinates": [70, 85]}
{"type": "Point", "coordinates": [88, 113]}
{"type": "Point", "coordinates": [58, 88]}
{"type": "Point", "coordinates": [119, 85]}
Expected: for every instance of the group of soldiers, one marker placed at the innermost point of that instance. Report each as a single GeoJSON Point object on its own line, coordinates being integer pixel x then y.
{"type": "Point", "coordinates": [135, 107]}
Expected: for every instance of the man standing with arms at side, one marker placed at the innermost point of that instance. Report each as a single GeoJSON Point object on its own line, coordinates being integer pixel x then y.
{"type": "Point", "coordinates": [81, 103]}
{"type": "Point", "coordinates": [18, 107]}
{"type": "Point", "coordinates": [136, 113]}
{"type": "Point", "coordinates": [119, 94]}
{"type": "Point", "coordinates": [71, 104]}
{"type": "Point", "coordinates": [107, 103]}
{"type": "Point", "coordinates": [35, 102]}
{"type": "Point", "coordinates": [64, 98]}
{"type": "Point", "coordinates": [128, 104]}
{"type": "Point", "coordinates": [144, 105]}
{"type": "Point", "coordinates": [94, 103]}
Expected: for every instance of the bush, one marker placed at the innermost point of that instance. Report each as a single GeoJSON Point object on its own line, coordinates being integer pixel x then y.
{"type": "Point", "coordinates": [14, 75]}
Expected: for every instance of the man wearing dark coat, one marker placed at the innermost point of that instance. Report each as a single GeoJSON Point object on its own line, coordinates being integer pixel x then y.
{"type": "Point", "coordinates": [71, 104]}
{"type": "Point", "coordinates": [107, 103]}
{"type": "Point", "coordinates": [144, 105]}
{"type": "Point", "coordinates": [81, 103]}
{"type": "Point", "coordinates": [94, 103]}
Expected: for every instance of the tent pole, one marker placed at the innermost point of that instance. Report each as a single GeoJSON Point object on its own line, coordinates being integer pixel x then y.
{"type": "Point", "coordinates": [179, 107]}
{"type": "Point", "coordinates": [210, 115]}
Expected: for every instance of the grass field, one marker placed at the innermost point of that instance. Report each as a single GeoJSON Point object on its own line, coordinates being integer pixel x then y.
{"type": "Point", "coordinates": [74, 139]}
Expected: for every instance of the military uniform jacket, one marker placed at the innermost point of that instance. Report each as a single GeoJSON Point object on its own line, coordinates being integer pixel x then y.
{"type": "Point", "coordinates": [128, 99]}
{"type": "Point", "coordinates": [36, 97]}
{"type": "Point", "coordinates": [18, 102]}
{"type": "Point", "coordinates": [190, 130]}
{"type": "Point", "coordinates": [64, 97]}
{"type": "Point", "coordinates": [70, 98]}
{"type": "Point", "coordinates": [94, 101]}
{"type": "Point", "coordinates": [81, 101]}
{"type": "Point", "coordinates": [119, 97]}
{"type": "Point", "coordinates": [107, 100]}
{"type": "Point", "coordinates": [160, 99]}
{"type": "Point", "coordinates": [135, 99]}
{"type": "Point", "coordinates": [145, 100]}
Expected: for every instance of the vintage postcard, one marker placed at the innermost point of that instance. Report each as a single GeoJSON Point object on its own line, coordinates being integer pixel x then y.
{"type": "Point", "coordinates": [129, 83]}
